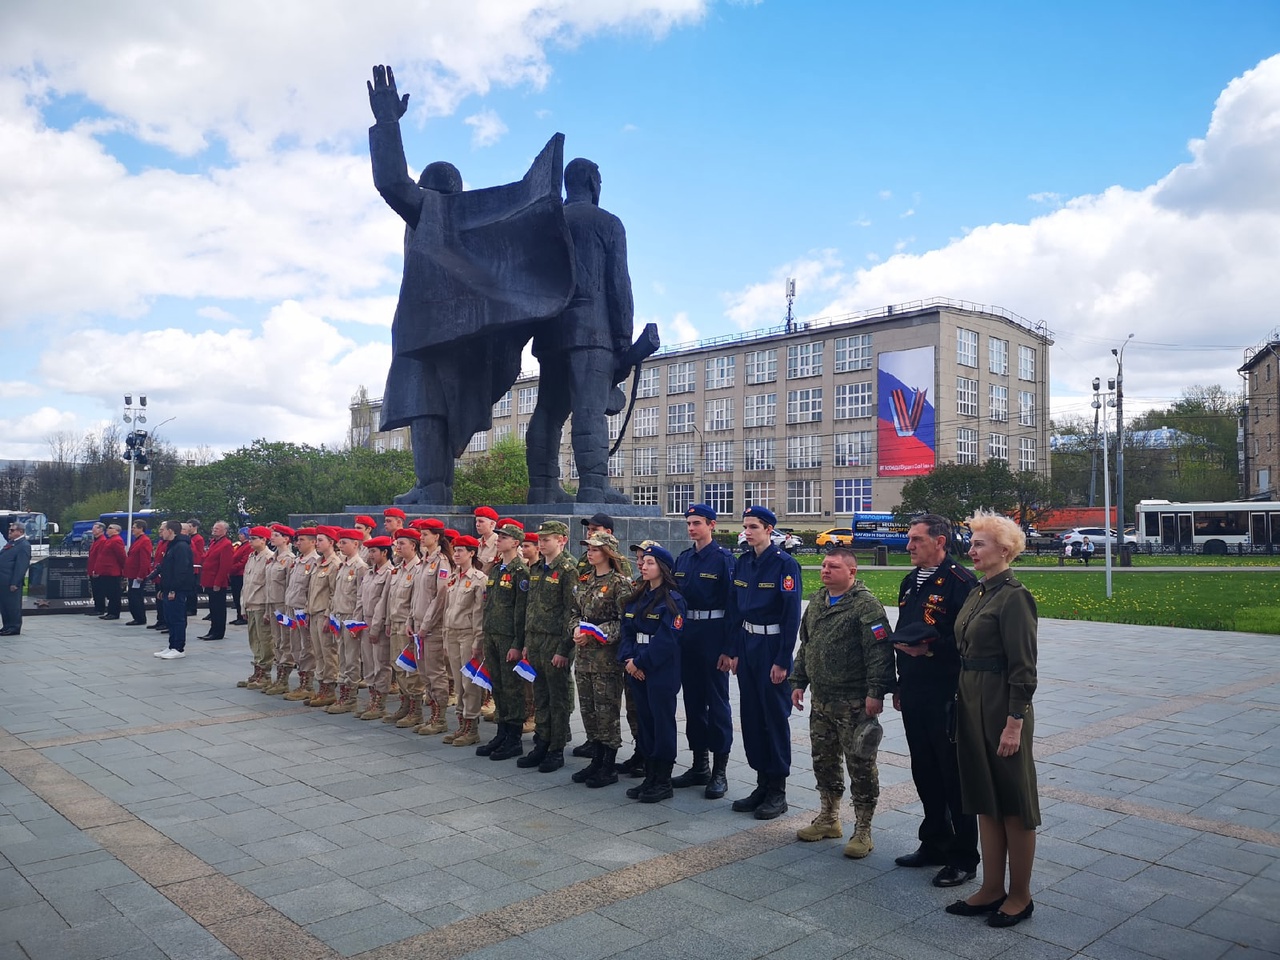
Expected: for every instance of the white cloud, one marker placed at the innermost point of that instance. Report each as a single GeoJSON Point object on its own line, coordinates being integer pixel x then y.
{"type": "Point", "coordinates": [909, 212]}
{"type": "Point", "coordinates": [487, 128]}
{"type": "Point", "coordinates": [862, 221]}
{"type": "Point", "coordinates": [629, 128]}
{"type": "Point", "coordinates": [764, 304]}
{"type": "Point", "coordinates": [677, 329]}
{"type": "Point", "coordinates": [26, 436]}
{"type": "Point", "coordinates": [885, 194]}
{"type": "Point", "coordinates": [18, 388]}
{"type": "Point", "coordinates": [1046, 197]}
{"type": "Point", "coordinates": [216, 313]}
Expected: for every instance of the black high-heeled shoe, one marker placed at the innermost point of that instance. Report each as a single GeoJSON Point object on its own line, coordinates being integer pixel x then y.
{"type": "Point", "coordinates": [1000, 919]}
{"type": "Point", "coordinates": [962, 909]}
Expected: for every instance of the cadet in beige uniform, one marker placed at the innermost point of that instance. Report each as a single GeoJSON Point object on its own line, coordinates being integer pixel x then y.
{"type": "Point", "coordinates": [346, 596]}
{"type": "Point", "coordinates": [404, 580]}
{"type": "Point", "coordinates": [295, 602]}
{"type": "Point", "coordinates": [276, 572]}
{"type": "Point", "coordinates": [425, 620]}
{"type": "Point", "coordinates": [375, 642]}
{"type": "Point", "coordinates": [464, 636]}
{"type": "Point", "coordinates": [486, 527]}
{"type": "Point", "coordinates": [320, 587]}
{"type": "Point", "coordinates": [253, 598]}
{"type": "Point", "coordinates": [366, 526]}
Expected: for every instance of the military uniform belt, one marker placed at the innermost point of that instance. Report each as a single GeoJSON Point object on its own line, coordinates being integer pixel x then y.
{"type": "Point", "coordinates": [705, 614]}
{"type": "Point", "coordinates": [984, 664]}
{"type": "Point", "coordinates": [762, 629]}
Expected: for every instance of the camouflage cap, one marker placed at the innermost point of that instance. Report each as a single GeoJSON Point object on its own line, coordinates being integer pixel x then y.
{"type": "Point", "coordinates": [644, 545]}
{"type": "Point", "coordinates": [866, 738]}
{"type": "Point", "coordinates": [602, 539]}
{"type": "Point", "coordinates": [553, 528]}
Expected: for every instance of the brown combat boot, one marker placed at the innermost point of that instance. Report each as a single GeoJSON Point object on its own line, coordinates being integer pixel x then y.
{"type": "Point", "coordinates": [377, 706]}
{"type": "Point", "coordinates": [406, 704]}
{"type": "Point", "coordinates": [449, 737]}
{"type": "Point", "coordinates": [435, 723]}
{"type": "Point", "coordinates": [346, 700]}
{"type": "Point", "coordinates": [468, 734]}
{"type": "Point", "coordinates": [281, 684]}
{"type": "Point", "coordinates": [326, 696]}
{"type": "Point", "coordinates": [861, 844]}
{"type": "Point", "coordinates": [826, 825]}
{"type": "Point", "coordinates": [253, 678]}
{"type": "Point", "coordinates": [488, 710]}
{"type": "Point", "coordinates": [304, 687]}
{"type": "Point", "coordinates": [414, 716]}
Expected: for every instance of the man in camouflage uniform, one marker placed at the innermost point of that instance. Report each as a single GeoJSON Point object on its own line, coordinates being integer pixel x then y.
{"type": "Point", "coordinates": [847, 656]}
{"type": "Point", "coordinates": [295, 602]}
{"type": "Point", "coordinates": [505, 605]}
{"type": "Point", "coordinates": [551, 613]}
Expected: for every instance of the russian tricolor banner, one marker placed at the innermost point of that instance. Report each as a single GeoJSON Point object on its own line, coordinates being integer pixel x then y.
{"type": "Point", "coordinates": [477, 674]}
{"type": "Point", "coordinates": [524, 670]}
{"type": "Point", "coordinates": [355, 626]}
{"type": "Point", "coordinates": [591, 630]}
{"type": "Point", "coordinates": [285, 620]}
{"type": "Point", "coordinates": [301, 617]}
{"type": "Point", "coordinates": [334, 626]}
{"type": "Point", "coordinates": [407, 661]}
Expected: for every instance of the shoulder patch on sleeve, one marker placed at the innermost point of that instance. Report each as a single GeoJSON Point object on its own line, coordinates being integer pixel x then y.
{"type": "Point", "coordinates": [879, 630]}
{"type": "Point", "coordinates": [524, 585]}
{"type": "Point", "coordinates": [789, 583]}
{"type": "Point", "coordinates": [678, 622]}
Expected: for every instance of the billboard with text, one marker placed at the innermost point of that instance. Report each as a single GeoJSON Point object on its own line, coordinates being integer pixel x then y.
{"type": "Point", "coordinates": [907, 428]}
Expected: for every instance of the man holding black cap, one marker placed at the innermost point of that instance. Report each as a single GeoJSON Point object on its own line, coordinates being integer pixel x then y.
{"type": "Point", "coordinates": [704, 576]}
{"type": "Point", "coordinates": [766, 619]}
{"type": "Point", "coordinates": [928, 671]}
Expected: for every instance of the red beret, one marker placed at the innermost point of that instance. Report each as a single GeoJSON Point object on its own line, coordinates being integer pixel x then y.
{"type": "Point", "coordinates": [433, 523]}
{"type": "Point", "coordinates": [281, 529]}
{"type": "Point", "coordinates": [366, 521]}
{"type": "Point", "coordinates": [260, 532]}
{"type": "Point", "coordinates": [418, 524]}
{"type": "Point", "coordinates": [307, 532]}
{"type": "Point", "coordinates": [383, 543]}
{"type": "Point", "coordinates": [530, 538]}
{"type": "Point", "coordinates": [467, 541]}
{"type": "Point", "coordinates": [489, 512]}
{"type": "Point", "coordinates": [451, 533]}
{"type": "Point", "coordinates": [352, 534]}
{"type": "Point", "coordinates": [408, 533]}
{"type": "Point", "coordinates": [393, 512]}
{"type": "Point", "coordinates": [333, 533]}
{"type": "Point", "coordinates": [508, 522]}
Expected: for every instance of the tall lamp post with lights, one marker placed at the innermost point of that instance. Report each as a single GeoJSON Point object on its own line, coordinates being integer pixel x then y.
{"type": "Point", "coordinates": [135, 453]}
{"type": "Point", "coordinates": [1099, 399]}
{"type": "Point", "coordinates": [1119, 387]}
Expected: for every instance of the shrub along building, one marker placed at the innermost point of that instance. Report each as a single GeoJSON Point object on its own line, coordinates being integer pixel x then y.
{"type": "Point", "coordinates": [813, 420]}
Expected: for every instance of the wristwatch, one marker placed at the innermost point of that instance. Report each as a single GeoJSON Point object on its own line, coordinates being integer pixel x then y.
{"type": "Point", "coordinates": [1015, 716]}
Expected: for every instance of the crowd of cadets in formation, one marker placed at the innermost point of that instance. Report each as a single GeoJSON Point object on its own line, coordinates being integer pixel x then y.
{"type": "Point", "coordinates": [491, 624]}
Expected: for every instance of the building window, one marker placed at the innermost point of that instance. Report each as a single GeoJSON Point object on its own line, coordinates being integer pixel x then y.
{"type": "Point", "coordinates": [999, 402]}
{"type": "Point", "coordinates": [649, 384]}
{"type": "Point", "coordinates": [853, 353]}
{"type": "Point", "coordinates": [998, 356]}
{"type": "Point", "coordinates": [998, 447]}
{"type": "Point", "coordinates": [804, 406]}
{"type": "Point", "coordinates": [966, 397]}
{"type": "Point", "coordinates": [718, 496]}
{"type": "Point", "coordinates": [573, 468]}
{"type": "Point", "coordinates": [503, 407]}
{"type": "Point", "coordinates": [397, 441]}
{"type": "Point", "coordinates": [528, 399]}
{"type": "Point", "coordinates": [679, 496]}
{"type": "Point", "coordinates": [761, 366]}
{"type": "Point", "coordinates": [1026, 408]}
{"type": "Point", "coordinates": [479, 442]}
{"type": "Point", "coordinates": [760, 410]}
{"type": "Point", "coordinates": [1026, 453]}
{"type": "Point", "coordinates": [718, 457]}
{"type": "Point", "coordinates": [379, 444]}
{"type": "Point", "coordinates": [645, 495]}
{"type": "Point", "coordinates": [645, 422]}
{"type": "Point", "coordinates": [680, 377]}
{"type": "Point", "coordinates": [966, 347]}
{"type": "Point", "coordinates": [522, 429]}
{"type": "Point", "coordinates": [856, 449]}
{"type": "Point", "coordinates": [804, 496]}
{"type": "Point", "coordinates": [759, 493]}
{"type": "Point", "coordinates": [804, 453]}
{"type": "Point", "coordinates": [720, 371]}
{"type": "Point", "coordinates": [617, 464]}
{"type": "Point", "coordinates": [853, 401]}
{"type": "Point", "coordinates": [615, 425]}
{"type": "Point", "coordinates": [645, 461]}
{"type": "Point", "coordinates": [501, 432]}
{"type": "Point", "coordinates": [804, 360]}
{"type": "Point", "coordinates": [680, 418]}
{"type": "Point", "coordinates": [760, 454]}
{"type": "Point", "coordinates": [1026, 363]}
{"type": "Point", "coordinates": [853, 495]}
{"type": "Point", "coordinates": [679, 458]}
{"type": "Point", "coordinates": [966, 445]}
{"type": "Point", "coordinates": [720, 414]}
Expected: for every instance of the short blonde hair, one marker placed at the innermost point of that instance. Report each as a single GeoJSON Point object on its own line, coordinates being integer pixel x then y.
{"type": "Point", "coordinates": [1002, 530]}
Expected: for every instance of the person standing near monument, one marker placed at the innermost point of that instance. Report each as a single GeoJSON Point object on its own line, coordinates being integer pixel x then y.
{"type": "Point", "coordinates": [324, 645]}
{"type": "Point", "coordinates": [766, 619]}
{"type": "Point", "coordinates": [375, 646]}
{"type": "Point", "coordinates": [393, 521]}
{"type": "Point", "coordinates": [137, 565]}
{"type": "Point", "coordinates": [342, 609]}
{"type": "Point", "coordinates": [405, 580]}
{"type": "Point", "coordinates": [238, 560]}
{"type": "Point", "coordinates": [295, 608]}
{"type": "Point", "coordinates": [505, 607]}
{"type": "Point", "coordinates": [177, 576]}
{"type": "Point", "coordinates": [15, 559]}
{"type": "Point", "coordinates": [111, 564]}
{"type": "Point", "coordinates": [486, 525]}
{"type": "Point", "coordinates": [704, 577]}
{"type": "Point", "coordinates": [463, 628]}
{"type": "Point", "coordinates": [278, 565]}
{"type": "Point", "coordinates": [929, 599]}
{"type": "Point", "coordinates": [254, 597]}
{"type": "Point", "coordinates": [580, 351]}
{"type": "Point", "coordinates": [215, 577]}
{"type": "Point", "coordinates": [192, 529]}
{"type": "Point", "coordinates": [427, 621]}
{"type": "Point", "coordinates": [97, 540]}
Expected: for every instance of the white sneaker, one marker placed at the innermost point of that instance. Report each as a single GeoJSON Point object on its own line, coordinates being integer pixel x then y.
{"type": "Point", "coordinates": [161, 653]}
{"type": "Point", "coordinates": [172, 655]}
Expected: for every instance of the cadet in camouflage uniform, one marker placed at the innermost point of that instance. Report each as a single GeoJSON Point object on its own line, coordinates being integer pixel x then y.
{"type": "Point", "coordinates": [602, 597]}
{"type": "Point", "coordinates": [506, 596]}
{"type": "Point", "coordinates": [277, 574]}
{"type": "Point", "coordinates": [552, 612]}
{"type": "Point", "coordinates": [295, 601]}
{"type": "Point", "coordinates": [847, 656]}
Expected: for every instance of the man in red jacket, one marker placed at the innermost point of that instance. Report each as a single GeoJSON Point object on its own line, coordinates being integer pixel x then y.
{"type": "Point", "coordinates": [109, 569]}
{"type": "Point", "coordinates": [97, 538]}
{"type": "Point", "coordinates": [238, 561]}
{"type": "Point", "coordinates": [215, 576]}
{"type": "Point", "coordinates": [136, 567]}
{"type": "Point", "coordinates": [192, 529]}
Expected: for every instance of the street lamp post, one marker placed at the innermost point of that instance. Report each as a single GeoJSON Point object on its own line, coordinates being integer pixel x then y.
{"type": "Point", "coordinates": [1098, 400]}
{"type": "Point", "coordinates": [135, 449]}
{"type": "Point", "coordinates": [1119, 355]}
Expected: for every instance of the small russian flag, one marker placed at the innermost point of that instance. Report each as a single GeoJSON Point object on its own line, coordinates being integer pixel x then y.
{"type": "Point", "coordinates": [355, 626]}
{"type": "Point", "coordinates": [591, 630]}
{"type": "Point", "coordinates": [524, 670]}
{"type": "Point", "coordinates": [284, 619]}
{"type": "Point", "coordinates": [301, 617]}
{"type": "Point", "coordinates": [407, 661]}
{"type": "Point", "coordinates": [334, 626]}
{"type": "Point", "coordinates": [477, 674]}
{"type": "Point", "coordinates": [879, 632]}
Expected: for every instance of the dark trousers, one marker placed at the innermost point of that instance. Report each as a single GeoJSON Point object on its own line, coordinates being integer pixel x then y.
{"type": "Point", "coordinates": [217, 612]}
{"type": "Point", "coordinates": [111, 591]}
{"type": "Point", "coordinates": [765, 708]}
{"type": "Point", "coordinates": [99, 594]}
{"type": "Point", "coordinates": [192, 601]}
{"type": "Point", "coordinates": [162, 618]}
{"type": "Point", "coordinates": [708, 721]}
{"type": "Point", "coordinates": [237, 584]}
{"type": "Point", "coordinates": [175, 614]}
{"type": "Point", "coordinates": [137, 605]}
{"type": "Point", "coordinates": [946, 830]}
{"type": "Point", "coordinates": [655, 698]}
{"type": "Point", "coordinates": [11, 608]}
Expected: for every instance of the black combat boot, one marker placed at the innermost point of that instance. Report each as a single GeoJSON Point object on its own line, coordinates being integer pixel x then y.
{"type": "Point", "coordinates": [635, 766]}
{"type": "Point", "coordinates": [499, 738]}
{"type": "Point", "coordinates": [775, 799]}
{"type": "Point", "coordinates": [553, 760]}
{"type": "Point", "coordinates": [608, 772]}
{"type": "Point", "coordinates": [660, 787]}
{"type": "Point", "coordinates": [534, 756]}
{"type": "Point", "coordinates": [754, 798]}
{"type": "Point", "coordinates": [718, 785]}
{"type": "Point", "coordinates": [696, 776]}
{"type": "Point", "coordinates": [587, 749]}
{"type": "Point", "coordinates": [513, 746]}
{"type": "Point", "coordinates": [589, 771]}
{"type": "Point", "coordinates": [633, 793]}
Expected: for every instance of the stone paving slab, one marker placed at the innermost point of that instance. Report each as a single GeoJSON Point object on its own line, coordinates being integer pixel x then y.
{"type": "Point", "coordinates": [151, 809]}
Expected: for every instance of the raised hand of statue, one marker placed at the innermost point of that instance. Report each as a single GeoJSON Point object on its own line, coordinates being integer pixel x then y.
{"type": "Point", "coordinates": [387, 104]}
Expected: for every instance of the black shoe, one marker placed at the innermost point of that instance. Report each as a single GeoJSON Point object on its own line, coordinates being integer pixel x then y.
{"type": "Point", "coordinates": [659, 787]}
{"type": "Point", "coordinates": [239, 622]}
{"type": "Point", "coordinates": [962, 909]}
{"type": "Point", "coordinates": [209, 636]}
{"type": "Point", "coordinates": [590, 770]}
{"type": "Point", "coordinates": [110, 616]}
{"type": "Point", "coordinates": [135, 623]}
{"type": "Point", "coordinates": [535, 756]}
{"type": "Point", "coordinates": [633, 767]}
{"type": "Point", "coordinates": [154, 626]}
{"type": "Point", "coordinates": [162, 629]}
{"type": "Point", "coordinates": [486, 749]}
{"type": "Point", "coordinates": [752, 800]}
{"type": "Point", "coordinates": [920, 858]}
{"type": "Point", "coordinates": [953, 876]}
{"type": "Point", "coordinates": [718, 785]}
{"type": "Point", "coordinates": [587, 749]}
{"type": "Point", "coordinates": [774, 803]}
{"type": "Point", "coordinates": [634, 793]}
{"type": "Point", "coordinates": [513, 746]}
{"type": "Point", "coordinates": [699, 775]}
{"type": "Point", "coordinates": [553, 761]}
{"type": "Point", "coordinates": [207, 616]}
{"type": "Point", "coordinates": [608, 772]}
{"type": "Point", "coordinates": [8, 632]}
{"type": "Point", "coordinates": [1001, 919]}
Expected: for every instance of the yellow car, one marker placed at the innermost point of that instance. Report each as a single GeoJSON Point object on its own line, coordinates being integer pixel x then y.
{"type": "Point", "coordinates": [836, 536]}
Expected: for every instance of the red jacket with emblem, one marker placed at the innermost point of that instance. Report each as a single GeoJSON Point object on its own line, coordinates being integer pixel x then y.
{"type": "Point", "coordinates": [112, 559]}
{"type": "Point", "coordinates": [215, 569]}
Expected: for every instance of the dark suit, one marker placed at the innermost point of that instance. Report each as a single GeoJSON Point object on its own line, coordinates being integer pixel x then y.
{"type": "Point", "coordinates": [15, 558]}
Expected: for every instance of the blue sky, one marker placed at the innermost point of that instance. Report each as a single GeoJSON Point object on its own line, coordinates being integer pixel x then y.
{"type": "Point", "coordinates": [192, 208]}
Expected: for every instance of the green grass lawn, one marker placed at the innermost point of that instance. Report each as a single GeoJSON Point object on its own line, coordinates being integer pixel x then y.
{"type": "Point", "coordinates": [1248, 602]}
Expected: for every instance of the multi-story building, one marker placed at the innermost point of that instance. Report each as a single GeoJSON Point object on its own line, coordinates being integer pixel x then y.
{"type": "Point", "coordinates": [818, 419]}
{"type": "Point", "coordinates": [1260, 423]}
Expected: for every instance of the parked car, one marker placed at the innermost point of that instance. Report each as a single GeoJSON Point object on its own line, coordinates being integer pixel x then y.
{"type": "Point", "coordinates": [836, 536]}
{"type": "Point", "coordinates": [1097, 535]}
{"type": "Point", "coordinates": [80, 531]}
{"type": "Point", "coordinates": [785, 539]}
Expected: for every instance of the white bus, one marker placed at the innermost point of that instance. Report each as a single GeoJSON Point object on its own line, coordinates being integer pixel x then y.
{"type": "Point", "coordinates": [1208, 527]}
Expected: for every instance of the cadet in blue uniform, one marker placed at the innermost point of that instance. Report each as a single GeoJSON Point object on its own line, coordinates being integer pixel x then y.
{"type": "Point", "coordinates": [650, 655]}
{"type": "Point", "coordinates": [704, 576]}
{"type": "Point", "coordinates": [766, 620]}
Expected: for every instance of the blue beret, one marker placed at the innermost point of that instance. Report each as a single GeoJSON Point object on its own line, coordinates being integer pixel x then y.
{"type": "Point", "coordinates": [703, 510]}
{"type": "Point", "coordinates": [763, 514]}
{"type": "Point", "coordinates": [661, 554]}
